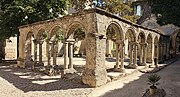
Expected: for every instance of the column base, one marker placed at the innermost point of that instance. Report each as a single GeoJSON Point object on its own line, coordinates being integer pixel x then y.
{"type": "Point", "coordinates": [133, 66]}
{"type": "Point", "coordinates": [40, 64]}
{"type": "Point", "coordinates": [143, 64]}
{"type": "Point", "coordinates": [153, 66]}
{"type": "Point", "coordinates": [71, 71]}
{"type": "Point", "coordinates": [122, 70]}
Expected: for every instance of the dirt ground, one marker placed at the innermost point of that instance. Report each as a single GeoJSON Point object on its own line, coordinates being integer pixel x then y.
{"type": "Point", "coordinates": [15, 82]}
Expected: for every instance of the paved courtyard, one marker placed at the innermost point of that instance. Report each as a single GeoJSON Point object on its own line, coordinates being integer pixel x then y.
{"type": "Point", "coordinates": [17, 82]}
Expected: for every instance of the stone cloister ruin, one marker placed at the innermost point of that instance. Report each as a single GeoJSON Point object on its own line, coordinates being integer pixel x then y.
{"type": "Point", "coordinates": [103, 32]}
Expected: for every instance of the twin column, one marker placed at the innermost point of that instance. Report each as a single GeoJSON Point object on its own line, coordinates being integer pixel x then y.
{"type": "Point", "coordinates": [36, 42]}
{"type": "Point", "coordinates": [52, 50]}
{"type": "Point", "coordinates": [68, 47]}
{"type": "Point", "coordinates": [143, 54]}
{"type": "Point", "coordinates": [133, 55]}
{"type": "Point", "coordinates": [119, 53]}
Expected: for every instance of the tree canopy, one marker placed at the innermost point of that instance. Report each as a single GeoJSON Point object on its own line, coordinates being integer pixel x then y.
{"type": "Point", "coordinates": [167, 11]}
{"type": "Point", "coordinates": [120, 8]}
{"type": "Point", "coordinates": [14, 13]}
{"type": "Point", "coordinates": [117, 7]}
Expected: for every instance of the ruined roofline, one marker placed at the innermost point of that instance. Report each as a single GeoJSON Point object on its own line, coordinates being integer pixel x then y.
{"type": "Point", "coordinates": [99, 11]}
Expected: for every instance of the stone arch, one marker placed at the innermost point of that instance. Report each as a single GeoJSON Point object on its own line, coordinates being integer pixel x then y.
{"type": "Point", "coordinates": [115, 43]}
{"type": "Point", "coordinates": [39, 34]}
{"type": "Point", "coordinates": [130, 33]}
{"type": "Point", "coordinates": [117, 29]}
{"type": "Point", "coordinates": [74, 47]}
{"type": "Point", "coordinates": [141, 38]}
{"type": "Point", "coordinates": [130, 37]}
{"type": "Point", "coordinates": [150, 47]}
{"type": "Point", "coordinates": [73, 27]}
{"type": "Point", "coordinates": [113, 33]}
{"type": "Point", "coordinates": [77, 32]}
{"type": "Point", "coordinates": [55, 30]}
{"type": "Point", "coordinates": [28, 44]}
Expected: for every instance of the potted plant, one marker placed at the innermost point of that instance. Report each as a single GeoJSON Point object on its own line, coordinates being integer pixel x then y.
{"type": "Point", "coordinates": [153, 81]}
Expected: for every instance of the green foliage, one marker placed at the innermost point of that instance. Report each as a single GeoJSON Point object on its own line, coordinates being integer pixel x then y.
{"type": "Point", "coordinates": [120, 8]}
{"type": "Point", "coordinates": [167, 11]}
{"type": "Point", "coordinates": [59, 37]}
{"type": "Point", "coordinates": [79, 34]}
{"type": "Point", "coordinates": [20, 12]}
{"type": "Point", "coordinates": [153, 79]}
{"type": "Point", "coordinates": [77, 4]}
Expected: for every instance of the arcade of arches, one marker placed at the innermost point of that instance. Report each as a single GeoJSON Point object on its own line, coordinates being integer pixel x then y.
{"type": "Point", "coordinates": [94, 35]}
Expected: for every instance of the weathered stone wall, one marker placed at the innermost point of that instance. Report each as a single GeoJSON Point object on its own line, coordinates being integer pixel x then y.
{"type": "Point", "coordinates": [11, 48]}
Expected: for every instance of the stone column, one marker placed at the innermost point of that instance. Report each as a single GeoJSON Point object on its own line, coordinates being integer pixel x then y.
{"type": "Point", "coordinates": [135, 66]}
{"type": "Point", "coordinates": [144, 53]}
{"type": "Point", "coordinates": [157, 54]}
{"type": "Point", "coordinates": [117, 57]}
{"type": "Point", "coordinates": [141, 54]}
{"type": "Point", "coordinates": [152, 56]}
{"type": "Point", "coordinates": [65, 55]}
{"type": "Point", "coordinates": [68, 68]}
{"type": "Point", "coordinates": [107, 48]}
{"type": "Point", "coordinates": [126, 47]}
{"type": "Point", "coordinates": [35, 53]}
{"type": "Point", "coordinates": [131, 53]}
{"type": "Point", "coordinates": [122, 57]}
{"type": "Point", "coordinates": [71, 55]}
{"type": "Point", "coordinates": [49, 52]}
{"type": "Point", "coordinates": [54, 43]}
{"type": "Point", "coordinates": [40, 52]}
{"type": "Point", "coordinates": [119, 53]}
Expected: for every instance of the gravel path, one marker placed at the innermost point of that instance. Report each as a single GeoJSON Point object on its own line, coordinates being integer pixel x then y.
{"type": "Point", "coordinates": [15, 82]}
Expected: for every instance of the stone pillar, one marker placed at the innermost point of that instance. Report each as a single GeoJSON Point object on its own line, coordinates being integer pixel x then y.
{"type": "Point", "coordinates": [108, 50]}
{"type": "Point", "coordinates": [135, 66]}
{"type": "Point", "coordinates": [144, 54]}
{"type": "Point", "coordinates": [131, 53]}
{"type": "Point", "coordinates": [117, 57]}
{"type": "Point", "coordinates": [119, 52]}
{"type": "Point", "coordinates": [49, 52]}
{"type": "Point", "coordinates": [126, 47]}
{"type": "Point", "coordinates": [157, 54]}
{"type": "Point", "coordinates": [122, 57]}
{"type": "Point", "coordinates": [95, 73]}
{"type": "Point", "coordinates": [40, 52]}
{"type": "Point", "coordinates": [71, 55]}
{"type": "Point", "coordinates": [133, 56]}
{"type": "Point", "coordinates": [65, 55]}
{"type": "Point", "coordinates": [68, 68]}
{"type": "Point", "coordinates": [35, 53]}
{"type": "Point", "coordinates": [141, 54]}
{"type": "Point", "coordinates": [54, 51]}
{"type": "Point", "coordinates": [152, 56]}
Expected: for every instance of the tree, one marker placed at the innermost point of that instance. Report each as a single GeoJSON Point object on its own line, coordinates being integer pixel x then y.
{"type": "Point", "coordinates": [117, 7]}
{"type": "Point", "coordinates": [15, 13]}
{"type": "Point", "coordinates": [167, 11]}
{"type": "Point", "coordinates": [120, 8]}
